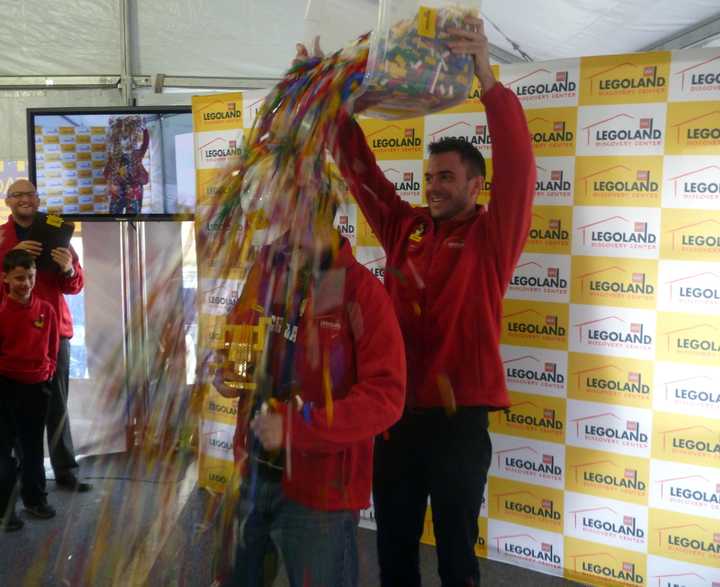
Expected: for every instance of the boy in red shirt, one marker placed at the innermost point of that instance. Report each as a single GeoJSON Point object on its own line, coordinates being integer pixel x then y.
{"type": "Point", "coordinates": [29, 342]}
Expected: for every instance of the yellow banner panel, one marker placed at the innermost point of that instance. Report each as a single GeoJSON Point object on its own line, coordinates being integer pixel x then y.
{"type": "Point", "coordinates": [605, 474]}
{"type": "Point", "coordinates": [610, 380]}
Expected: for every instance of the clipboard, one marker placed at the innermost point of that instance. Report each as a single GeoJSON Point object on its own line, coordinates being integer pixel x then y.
{"type": "Point", "coordinates": [51, 231]}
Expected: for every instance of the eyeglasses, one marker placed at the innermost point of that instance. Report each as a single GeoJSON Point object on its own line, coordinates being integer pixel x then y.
{"type": "Point", "coordinates": [18, 195]}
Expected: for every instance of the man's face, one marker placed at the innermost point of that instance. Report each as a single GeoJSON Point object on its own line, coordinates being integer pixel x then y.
{"type": "Point", "coordinates": [448, 189]}
{"type": "Point", "coordinates": [20, 282]}
{"type": "Point", "coordinates": [22, 199]}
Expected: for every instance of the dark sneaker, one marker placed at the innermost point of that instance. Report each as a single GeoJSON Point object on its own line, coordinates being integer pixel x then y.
{"type": "Point", "coordinates": [72, 483]}
{"type": "Point", "coordinates": [41, 510]}
{"type": "Point", "coordinates": [12, 523]}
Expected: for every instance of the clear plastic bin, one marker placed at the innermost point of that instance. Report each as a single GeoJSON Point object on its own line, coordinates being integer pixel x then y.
{"type": "Point", "coordinates": [410, 70]}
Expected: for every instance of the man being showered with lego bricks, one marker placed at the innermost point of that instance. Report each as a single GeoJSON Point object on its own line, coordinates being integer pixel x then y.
{"type": "Point", "coordinates": [315, 353]}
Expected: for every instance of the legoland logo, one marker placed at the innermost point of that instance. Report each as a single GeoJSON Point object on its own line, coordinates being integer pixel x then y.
{"type": "Point", "coordinates": [606, 474]}
{"type": "Point", "coordinates": [406, 177]}
{"type": "Point", "coordinates": [553, 232]}
{"type": "Point", "coordinates": [691, 235]}
{"type": "Point", "coordinates": [552, 131]}
{"type": "Point", "coordinates": [613, 331]}
{"type": "Point", "coordinates": [631, 131]}
{"type": "Point", "coordinates": [613, 428]}
{"type": "Point", "coordinates": [534, 370]}
{"type": "Point", "coordinates": [394, 141]}
{"type": "Point", "coordinates": [687, 389]}
{"type": "Point", "coordinates": [532, 416]}
{"type": "Point", "coordinates": [691, 182]}
{"type": "Point", "coordinates": [606, 521]}
{"type": "Point", "coordinates": [223, 111]}
{"type": "Point", "coordinates": [470, 128]}
{"type": "Point", "coordinates": [696, 76]}
{"type": "Point", "coordinates": [610, 380]}
{"type": "Point", "coordinates": [535, 324]}
{"type": "Point", "coordinates": [527, 549]}
{"type": "Point", "coordinates": [614, 282]}
{"type": "Point", "coordinates": [628, 79]}
{"type": "Point", "coordinates": [517, 459]}
{"type": "Point", "coordinates": [686, 488]}
{"type": "Point", "coordinates": [394, 137]}
{"type": "Point", "coordinates": [637, 236]}
{"type": "Point", "coordinates": [540, 277]}
{"type": "Point", "coordinates": [222, 409]}
{"type": "Point", "coordinates": [690, 339]}
{"type": "Point", "coordinates": [603, 564]}
{"type": "Point", "coordinates": [521, 503]}
{"type": "Point", "coordinates": [554, 84]}
{"type": "Point", "coordinates": [682, 537]}
{"type": "Point", "coordinates": [618, 232]}
{"type": "Point", "coordinates": [682, 490]}
{"type": "Point", "coordinates": [217, 440]}
{"type": "Point", "coordinates": [219, 297]}
{"type": "Point", "coordinates": [555, 179]}
{"type": "Point", "coordinates": [550, 230]}
{"type": "Point", "coordinates": [686, 439]}
{"type": "Point", "coordinates": [219, 150]}
{"type": "Point", "coordinates": [559, 87]}
{"type": "Point", "coordinates": [346, 223]}
{"type": "Point", "coordinates": [693, 128]}
{"type": "Point", "coordinates": [212, 113]}
{"type": "Point", "coordinates": [622, 130]}
{"type": "Point", "coordinates": [612, 181]}
{"type": "Point", "coordinates": [690, 287]}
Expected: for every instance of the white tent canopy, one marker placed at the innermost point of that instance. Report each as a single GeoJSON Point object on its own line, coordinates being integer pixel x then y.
{"type": "Point", "coordinates": [230, 43]}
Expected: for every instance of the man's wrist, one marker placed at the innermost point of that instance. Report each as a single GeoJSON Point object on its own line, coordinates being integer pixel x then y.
{"type": "Point", "coordinates": [487, 80]}
{"type": "Point", "coordinates": [69, 272]}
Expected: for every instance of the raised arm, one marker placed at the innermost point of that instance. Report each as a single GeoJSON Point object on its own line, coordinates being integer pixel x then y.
{"type": "Point", "coordinates": [511, 195]}
{"type": "Point", "coordinates": [510, 208]}
{"type": "Point", "coordinates": [375, 194]}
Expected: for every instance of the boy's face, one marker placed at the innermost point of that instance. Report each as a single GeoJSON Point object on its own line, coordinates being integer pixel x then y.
{"type": "Point", "coordinates": [20, 282]}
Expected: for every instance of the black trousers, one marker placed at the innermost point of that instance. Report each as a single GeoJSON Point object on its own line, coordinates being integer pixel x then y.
{"type": "Point", "coordinates": [60, 442]}
{"type": "Point", "coordinates": [445, 457]}
{"type": "Point", "coordinates": [22, 421]}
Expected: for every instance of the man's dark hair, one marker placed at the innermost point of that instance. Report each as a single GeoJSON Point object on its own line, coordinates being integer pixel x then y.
{"type": "Point", "coordinates": [469, 155]}
{"type": "Point", "coordinates": [18, 258]}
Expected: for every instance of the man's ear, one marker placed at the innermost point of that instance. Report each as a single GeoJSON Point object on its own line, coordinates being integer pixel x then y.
{"type": "Point", "coordinates": [476, 185]}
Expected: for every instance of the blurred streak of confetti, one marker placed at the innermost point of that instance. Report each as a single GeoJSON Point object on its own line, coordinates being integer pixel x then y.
{"type": "Point", "coordinates": [283, 183]}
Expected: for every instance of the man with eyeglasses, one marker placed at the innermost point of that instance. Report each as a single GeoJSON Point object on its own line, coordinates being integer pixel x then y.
{"type": "Point", "coordinates": [51, 285]}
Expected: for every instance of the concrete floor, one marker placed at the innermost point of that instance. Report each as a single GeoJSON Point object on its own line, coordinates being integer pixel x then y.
{"type": "Point", "coordinates": [115, 535]}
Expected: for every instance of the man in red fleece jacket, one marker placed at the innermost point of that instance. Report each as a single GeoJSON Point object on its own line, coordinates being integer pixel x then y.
{"type": "Point", "coordinates": [28, 349]}
{"type": "Point", "coordinates": [448, 266]}
{"type": "Point", "coordinates": [52, 284]}
{"type": "Point", "coordinates": [335, 378]}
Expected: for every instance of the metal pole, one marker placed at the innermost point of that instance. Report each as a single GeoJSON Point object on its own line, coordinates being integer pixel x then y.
{"type": "Point", "coordinates": [126, 80]}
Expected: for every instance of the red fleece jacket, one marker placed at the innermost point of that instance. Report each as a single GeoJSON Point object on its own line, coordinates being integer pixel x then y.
{"type": "Point", "coordinates": [29, 340]}
{"type": "Point", "coordinates": [50, 284]}
{"type": "Point", "coordinates": [447, 280]}
{"type": "Point", "coordinates": [348, 339]}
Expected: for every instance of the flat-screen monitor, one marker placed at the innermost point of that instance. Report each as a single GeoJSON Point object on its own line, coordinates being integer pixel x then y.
{"type": "Point", "coordinates": [113, 163]}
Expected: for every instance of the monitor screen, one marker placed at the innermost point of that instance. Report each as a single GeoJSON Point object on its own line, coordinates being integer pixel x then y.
{"type": "Point", "coordinates": [113, 163]}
